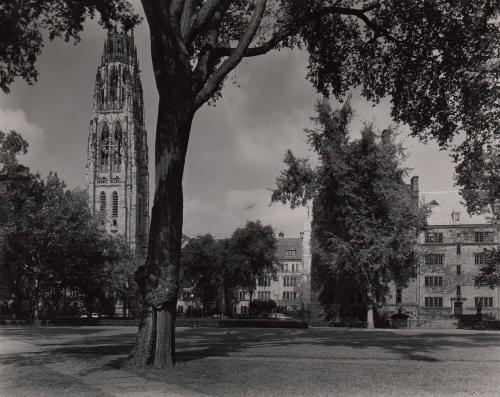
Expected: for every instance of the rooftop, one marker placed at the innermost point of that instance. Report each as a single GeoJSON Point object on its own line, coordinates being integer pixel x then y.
{"type": "Point", "coordinates": [292, 245]}
{"type": "Point", "coordinates": [450, 209]}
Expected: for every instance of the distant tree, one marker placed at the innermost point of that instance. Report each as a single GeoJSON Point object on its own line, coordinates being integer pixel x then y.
{"type": "Point", "coordinates": [479, 180]}
{"type": "Point", "coordinates": [433, 58]}
{"type": "Point", "coordinates": [490, 273]}
{"type": "Point", "coordinates": [253, 254]}
{"type": "Point", "coordinates": [201, 267]}
{"type": "Point", "coordinates": [364, 222]}
{"type": "Point", "coordinates": [51, 243]}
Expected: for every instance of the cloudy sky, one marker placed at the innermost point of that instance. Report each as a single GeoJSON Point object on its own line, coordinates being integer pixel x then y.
{"type": "Point", "coordinates": [236, 147]}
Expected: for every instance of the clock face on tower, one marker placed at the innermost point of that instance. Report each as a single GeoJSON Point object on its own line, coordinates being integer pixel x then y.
{"type": "Point", "coordinates": [109, 145]}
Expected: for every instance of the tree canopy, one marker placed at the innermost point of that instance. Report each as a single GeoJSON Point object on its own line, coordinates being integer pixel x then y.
{"type": "Point", "coordinates": [365, 218]}
{"type": "Point", "coordinates": [215, 268]}
{"type": "Point", "coordinates": [50, 241]}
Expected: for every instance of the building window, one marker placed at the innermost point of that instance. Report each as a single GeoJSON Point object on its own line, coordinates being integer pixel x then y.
{"type": "Point", "coordinates": [289, 281]}
{"type": "Point", "coordinates": [102, 201]}
{"type": "Point", "coordinates": [290, 253]}
{"type": "Point", "coordinates": [264, 281]}
{"type": "Point", "coordinates": [241, 295]}
{"type": "Point", "coordinates": [434, 259]}
{"type": "Point", "coordinates": [244, 309]}
{"type": "Point", "coordinates": [459, 290]}
{"type": "Point", "coordinates": [117, 158]}
{"type": "Point", "coordinates": [398, 296]}
{"type": "Point", "coordinates": [434, 301]}
{"type": "Point", "coordinates": [483, 237]}
{"type": "Point", "coordinates": [433, 281]}
{"type": "Point", "coordinates": [180, 309]}
{"type": "Point", "coordinates": [455, 216]}
{"type": "Point", "coordinates": [433, 237]}
{"type": "Point", "coordinates": [264, 295]}
{"type": "Point", "coordinates": [479, 259]}
{"type": "Point", "coordinates": [484, 301]}
{"type": "Point", "coordinates": [459, 249]}
{"type": "Point", "coordinates": [114, 205]}
{"type": "Point", "coordinates": [459, 269]}
{"type": "Point", "coordinates": [480, 282]}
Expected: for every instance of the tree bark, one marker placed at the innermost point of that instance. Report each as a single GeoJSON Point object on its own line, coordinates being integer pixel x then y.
{"type": "Point", "coordinates": [158, 279]}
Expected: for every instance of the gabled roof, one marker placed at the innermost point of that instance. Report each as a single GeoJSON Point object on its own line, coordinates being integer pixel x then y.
{"type": "Point", "coordinates": [448, 203]}
{"type": "Point", "coordinates": [286, 244]}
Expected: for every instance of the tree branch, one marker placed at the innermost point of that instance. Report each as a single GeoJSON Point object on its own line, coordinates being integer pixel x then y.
{"type": "Point", "coordinates": [186, 17]}
{"type": "Point", "coordinates": [234, 59]}
{"type": "Point", "coordinates": [203, 16]}
{"type": "Point", "coordinates": [287, 32]}
{"type": "Point", "coordinates": [170, 24]}
{"type": "Point", "coordinates": [176, 8]}
{"type": "Point", "coordinates": [206, 59]}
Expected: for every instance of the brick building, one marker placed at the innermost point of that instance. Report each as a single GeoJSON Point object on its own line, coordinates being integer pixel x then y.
{"type": "Point", "coordinates": [450, 256]}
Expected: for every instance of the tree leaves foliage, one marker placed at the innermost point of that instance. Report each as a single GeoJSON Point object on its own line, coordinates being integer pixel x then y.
{"type": "Point", "coordinates": [365, 219]}
{"type": "Point", "coordinates": [215, 265]}
{"type": "Point", "coordinates": [50, 241]}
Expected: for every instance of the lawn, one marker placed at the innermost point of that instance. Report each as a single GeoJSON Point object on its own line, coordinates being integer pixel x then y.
{"type": "Point", "coordinates": [262, 362]}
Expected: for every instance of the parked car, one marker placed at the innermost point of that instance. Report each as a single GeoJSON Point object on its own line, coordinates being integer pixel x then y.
{"type": "Point", "coordinates": [279, 316]}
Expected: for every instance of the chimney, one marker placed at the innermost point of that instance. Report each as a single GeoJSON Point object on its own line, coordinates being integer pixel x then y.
{"type": "Point", "coordinates": [386, 137]}
{"type": "Point", "coordinates": [414, 185]}
{"type": "Point", "coordinates": [414, 190]}
{"type": "Point", "coordinates": [281, 234]}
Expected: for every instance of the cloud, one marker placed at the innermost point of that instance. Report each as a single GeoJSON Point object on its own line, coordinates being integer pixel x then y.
{"type": "Point", "coordinates": [15, 119]}
{"type": "Point", "coordinates": [223, 217]}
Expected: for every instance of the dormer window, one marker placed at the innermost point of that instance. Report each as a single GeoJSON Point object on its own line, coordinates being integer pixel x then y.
{"type": "Point", "coordinates": [455, 216]}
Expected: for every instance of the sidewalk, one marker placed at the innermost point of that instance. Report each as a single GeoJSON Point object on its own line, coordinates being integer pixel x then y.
{"type": "Point", "coordinates": [23, 372]}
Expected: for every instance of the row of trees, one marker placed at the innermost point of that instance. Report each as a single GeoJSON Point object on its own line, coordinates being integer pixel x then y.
{"type": "Point", "coordinates": [55, 259]}
{"type": "Point", "coordinates": [216, 268]}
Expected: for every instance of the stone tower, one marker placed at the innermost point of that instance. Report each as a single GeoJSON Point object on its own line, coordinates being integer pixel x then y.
{"type": "Point", "coordinates": [117, 154]}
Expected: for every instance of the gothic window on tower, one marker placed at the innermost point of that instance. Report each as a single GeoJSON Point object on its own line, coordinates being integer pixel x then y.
{"type": "Point", "coordinates": [114, 208]}
{"type": "Point", "coordinates": [125, 77]}
{"type": "Point", "coordinates": [139, 212]}
{"type": "Point", "coordinates": [102, 204]}
{"type": "Point", "coordinates": [113, 89]}
{"type": "Point", "coordinates": [104, 152]}
{"type": "Point", "coordinates": [116, 149]}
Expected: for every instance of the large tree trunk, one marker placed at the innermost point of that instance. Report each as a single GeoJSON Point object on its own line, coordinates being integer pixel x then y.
{"type": "Point", "coordinates": [158, 279]}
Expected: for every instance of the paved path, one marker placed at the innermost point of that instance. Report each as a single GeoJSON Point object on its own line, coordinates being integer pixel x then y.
{"type": "Point", "coordinates": [96, 375]}
{"type": "Point", "coordinates": [86, 361]}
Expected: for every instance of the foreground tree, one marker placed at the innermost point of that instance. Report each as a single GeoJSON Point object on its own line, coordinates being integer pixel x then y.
{"type": "Point", "coordinates": [364, 217]}
{"type": "Point", "coordinates": [431, 57]}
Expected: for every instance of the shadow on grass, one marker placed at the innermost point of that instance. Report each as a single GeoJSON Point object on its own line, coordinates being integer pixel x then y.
{"type": "Point", "coordinates": [200, 343]}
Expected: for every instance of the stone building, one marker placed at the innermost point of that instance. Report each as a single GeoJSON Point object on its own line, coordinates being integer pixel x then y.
{"type": "Point", "coordinates": [291, 287]}
{"type": "Point", "coordinates": [450, 255]}
{"type": "Point", "coordinates": [117, 154]}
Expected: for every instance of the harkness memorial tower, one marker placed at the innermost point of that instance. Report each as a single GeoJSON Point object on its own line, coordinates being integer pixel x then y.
{"type": "Point", "coordinates": [117, 154]}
